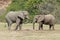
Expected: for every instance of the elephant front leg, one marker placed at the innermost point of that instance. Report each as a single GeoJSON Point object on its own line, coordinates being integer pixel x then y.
{"type": "Point", "coordinates": [18, 23]}
{"type": "Point", "coordinates": [20, 26]}
{"type": "Point", "coordinates": [40, 26]}
{"type": "Point", "coordinates": [16, 27]}
{"type": "Point", "coordinates": [9, 25]}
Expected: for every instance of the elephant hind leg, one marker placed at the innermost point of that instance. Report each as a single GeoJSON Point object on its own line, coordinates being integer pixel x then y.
{"type": "Point", "coordinates": [41, 26]}
{"type": "Point", "coordinates": [52, 27]}
{"type": "Point", "coordinates": [20, 26]}
{"type": "Point", "coordinates": [49, 27]}
{"type": "Point", "coordinates": [9, 25]}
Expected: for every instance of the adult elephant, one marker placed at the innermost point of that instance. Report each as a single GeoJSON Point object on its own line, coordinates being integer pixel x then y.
{"type": "Point", "coordinates": [16, 17]}
{"type": "Point", "coordinates": [44, 19]}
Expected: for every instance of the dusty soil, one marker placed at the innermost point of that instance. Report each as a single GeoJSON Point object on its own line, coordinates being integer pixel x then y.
{"type": "Point", "coordinates": [28, 34]}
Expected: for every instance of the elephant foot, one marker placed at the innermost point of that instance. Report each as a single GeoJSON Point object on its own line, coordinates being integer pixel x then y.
{"type": "Point", "coordinates": [49, 29]}
{"type": "Point", "coordinates": [33, 29]}
{"type": "Point", "coordinates": [39, 29]}
{"type": "Point", "coordinates": [15, 29]}
{"type": "Point", "coordinates": [9, 29]}
{"type": "Point", "coordinates": [53, 29]}
{"type": "Point", "coordinates": [19, 29]}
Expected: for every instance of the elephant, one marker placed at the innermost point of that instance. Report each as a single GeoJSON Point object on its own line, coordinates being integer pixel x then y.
{"type": "Point", "coordinates": [16, 17]}
{"type": "Point", "coordinates": [48, 19]}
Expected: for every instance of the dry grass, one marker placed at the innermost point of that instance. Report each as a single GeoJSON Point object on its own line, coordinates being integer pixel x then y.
{"type": "Point", "coordinates": [28, 34]}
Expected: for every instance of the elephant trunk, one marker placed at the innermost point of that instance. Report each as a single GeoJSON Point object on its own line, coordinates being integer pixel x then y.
{"type": "Point", "coordinates": [34, 21]}
{"type": "Point", "coordinates": [33, 25]}
{"type": "Point", "coordinates": [27, 21]}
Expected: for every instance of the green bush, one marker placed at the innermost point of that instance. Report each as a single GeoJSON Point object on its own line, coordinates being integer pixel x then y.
{"type": "Point", "coordinates": [30, 6]}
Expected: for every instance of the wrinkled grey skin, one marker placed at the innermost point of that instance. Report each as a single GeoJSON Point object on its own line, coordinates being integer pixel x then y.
{"type": "Point", "coordinates": [44, 19]}
{"type": "Point", "coordinates": [16, 17]}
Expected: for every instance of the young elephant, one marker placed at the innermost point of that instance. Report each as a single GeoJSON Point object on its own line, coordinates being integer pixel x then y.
{"type": "Point", "coordinates": [44, 19]}
{"type": "Point", "coordinates": [16, 17]}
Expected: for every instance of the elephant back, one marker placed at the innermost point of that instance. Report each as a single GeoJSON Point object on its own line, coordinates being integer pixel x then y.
{"type": "Point", "coordinates": [49, 18]}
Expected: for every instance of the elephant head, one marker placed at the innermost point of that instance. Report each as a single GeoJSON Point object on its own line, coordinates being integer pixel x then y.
{"type": "Point", "coordinates": [38, 19]}
{"type": "Point", "coordinates": [24, 15]}
{"type": "Point", "coordinates": [35, 20]}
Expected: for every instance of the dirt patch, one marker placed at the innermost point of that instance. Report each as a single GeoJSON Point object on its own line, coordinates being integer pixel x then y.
{"type": "Point", "coordinates": [27, 33]}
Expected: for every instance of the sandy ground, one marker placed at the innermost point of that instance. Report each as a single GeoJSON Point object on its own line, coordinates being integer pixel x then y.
{"type": "Point", "coordinates": [28, 34]}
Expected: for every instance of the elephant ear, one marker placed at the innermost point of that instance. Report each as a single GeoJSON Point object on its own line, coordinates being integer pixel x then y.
{"type": "Point", "coordinates": [26, 14]}
{"type": "Point", "coordinates": [21, 16]}
{"type": "Point", "coordinates": [40, 18]}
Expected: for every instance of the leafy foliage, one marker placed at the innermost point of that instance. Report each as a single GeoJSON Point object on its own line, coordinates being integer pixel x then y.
{"type": "Point", "coordinates": [24, 5]}
{"type": "Point", "coordinates": [35, 7]}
